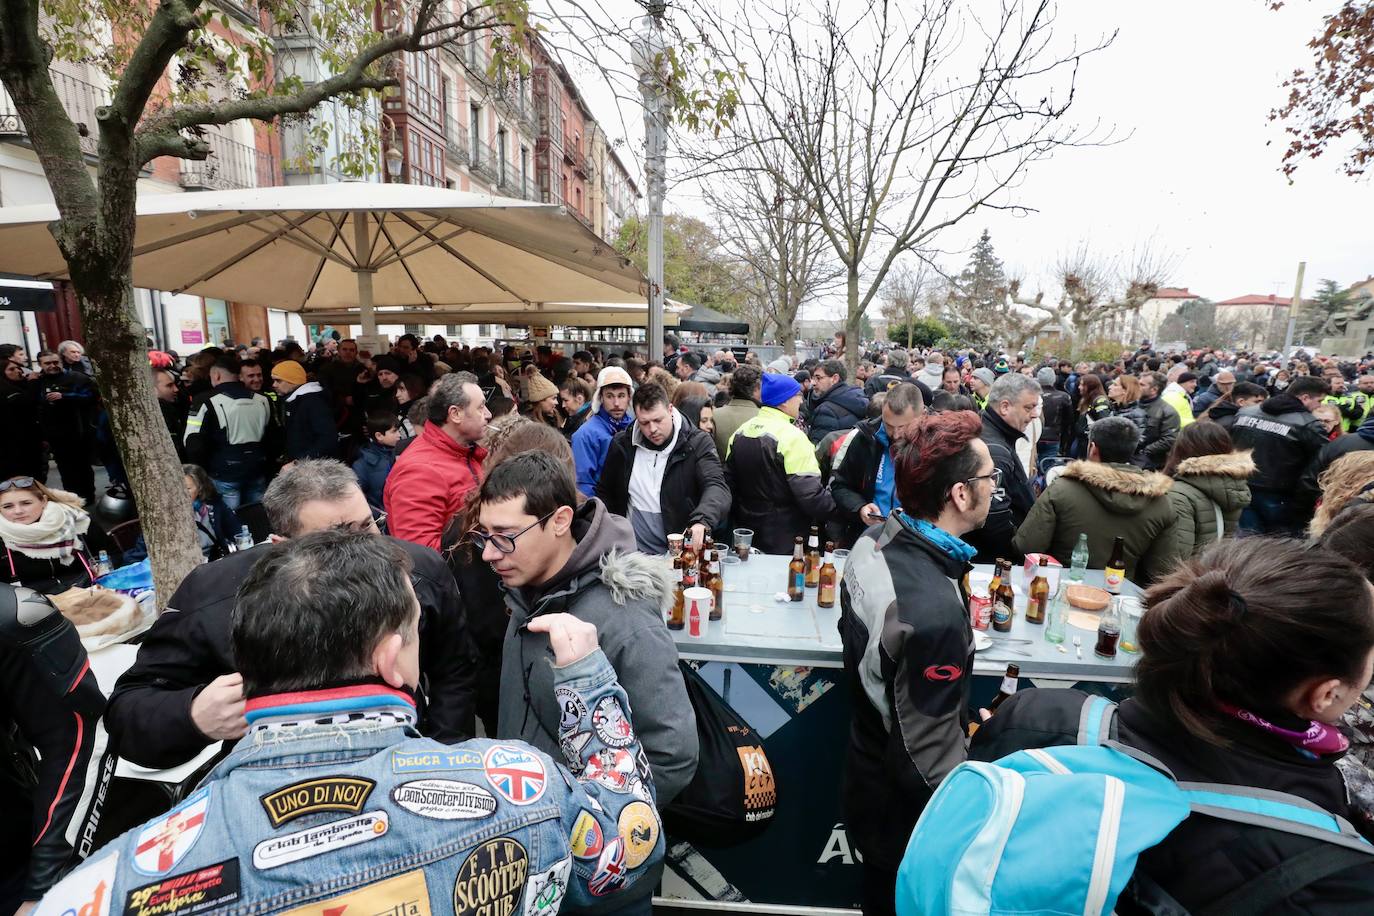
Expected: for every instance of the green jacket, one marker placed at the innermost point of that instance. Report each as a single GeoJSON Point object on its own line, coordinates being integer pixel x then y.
{"type": "Point", "coordinates": [1201, 486]}
{"type": "Point", "coordinates": [1105, 501]}
{"type": "Point", "coordinates": [730, 418]}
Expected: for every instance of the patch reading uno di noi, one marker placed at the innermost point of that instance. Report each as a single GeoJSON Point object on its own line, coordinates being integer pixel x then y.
{"type": "Point", "coordinates": [196, 891]}
{"type": "Point", "coordinates": [491, 879]}
{"type": "Point", "coordinates": [312, 796]}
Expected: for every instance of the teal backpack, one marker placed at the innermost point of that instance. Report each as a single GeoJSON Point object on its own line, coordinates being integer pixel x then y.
{"type": "Point", "coordinates": [980, 845]}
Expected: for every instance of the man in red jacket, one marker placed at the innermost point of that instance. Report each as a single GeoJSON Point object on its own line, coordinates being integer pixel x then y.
{"type": "Point", "coordinates": [431, 479]}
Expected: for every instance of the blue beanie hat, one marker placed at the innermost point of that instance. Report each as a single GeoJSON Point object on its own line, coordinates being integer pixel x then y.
{"type": "Point", "coordinates": [775, 389]}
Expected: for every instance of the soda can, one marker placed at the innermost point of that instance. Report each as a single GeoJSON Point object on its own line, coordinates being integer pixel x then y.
{"type": "Point", "coordinates": [980, 611]}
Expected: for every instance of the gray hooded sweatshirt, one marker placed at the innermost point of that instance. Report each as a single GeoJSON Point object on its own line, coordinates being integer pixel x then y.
{"type": "Point", "coordinates": [625, 594]}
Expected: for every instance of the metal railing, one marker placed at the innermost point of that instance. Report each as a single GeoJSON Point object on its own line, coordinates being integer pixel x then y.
{"type": "Point", "coordinates": [456, 139]}
{"type": "Point", "coordinates": [484, 159]}
{"type": "Point", "coordinates": [79, 98]}
{"type": "Point", "coordinates": [477, 57]}
{"type": "Point", "coordinates": [231, 165]}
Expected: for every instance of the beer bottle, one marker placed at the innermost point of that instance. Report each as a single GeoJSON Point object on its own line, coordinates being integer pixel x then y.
{"type": "Point", "coordinates": [1116, 566]}
{"type": "Point", "coordinates": [717, 584]}
{"type": "Point", "coordinates": [826, 596]}
{"type": "Point", "coordinates": [1039, 604]}
{"type": "Point", "coordinates": [813, 558]}
{"type": "Point", "coordinates": [689, 563]}
{"type": "Point", "coordinates": [676, 621]}
{"type": "Point", "coordinates": [796, 573]}
{"type": "Point", "coordinates": [1004, 601]}
{"type": "Point", "coordinates": [1008, 689]}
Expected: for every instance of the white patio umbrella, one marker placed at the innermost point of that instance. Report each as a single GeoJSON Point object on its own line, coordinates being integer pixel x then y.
{"type": "Point", "coordinates": [333, 247]}
{"type": "Point", "coordinates": [580, 314]}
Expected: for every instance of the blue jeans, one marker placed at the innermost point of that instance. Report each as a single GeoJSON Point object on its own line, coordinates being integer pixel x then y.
{"type": "Point", "coordinates": [241, 492]}
{"type": "Point", "coordinates": [1270, 512]}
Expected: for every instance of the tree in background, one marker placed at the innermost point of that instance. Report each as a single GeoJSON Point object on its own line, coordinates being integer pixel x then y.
{"type": "Point", "coordinates": [1319, 315]}
{"type": "Point", "coordinates": [1333, 100]}
{"type": "Point", "coordinates": [1195, 323]}
{"type": "Point", "coordinates": [172, 79]}
{"type": "Point", "coordinates": [897, 121]}
{"type": "Point", "coordinates": [696, 268]}
{"type": "Point", "coordinates": [919, 332]}
{"type": "Point", "coordinates": [976, 307]}
{"type": "Point", "coordinates": [903, 298]}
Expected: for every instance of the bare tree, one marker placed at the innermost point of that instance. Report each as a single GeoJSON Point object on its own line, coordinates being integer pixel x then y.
{"type": "Point", "coordinates": [1094, 289]}
{"type": "Point", "coordinates": [904, 295]}
{"type": "Point", "coordinates": [901, 119]}
{"type": "Point", "coordinates": [786, 257]}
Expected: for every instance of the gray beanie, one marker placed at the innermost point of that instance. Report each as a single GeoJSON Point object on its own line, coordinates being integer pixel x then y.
{"type": "Point", "coordinates": [1046, 377]}
{"type": "Point", "coordinates": [985, 375]}
{"type": "Point", "coordinates": [781, 364]}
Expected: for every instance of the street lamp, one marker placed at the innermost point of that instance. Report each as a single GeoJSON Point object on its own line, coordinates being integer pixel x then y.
{"type": "Point", "coordinates": [648, 52]}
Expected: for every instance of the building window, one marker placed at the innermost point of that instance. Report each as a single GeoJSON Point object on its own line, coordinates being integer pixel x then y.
{"type": "Point", "coordinates": [424, 88]}
{"type": "Point", "coordinates": [475, 126]}
{"type": "Point", "coordinates": [501, 154]}
{"type": "Point", "coordinates": [524, 168]}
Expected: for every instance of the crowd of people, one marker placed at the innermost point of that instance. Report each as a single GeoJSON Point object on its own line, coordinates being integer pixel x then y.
{"type": "Point", "coordinates": [469, 541]}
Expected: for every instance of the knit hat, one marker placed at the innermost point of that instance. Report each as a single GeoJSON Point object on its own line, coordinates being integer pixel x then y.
{"type": "Point", "coordinates": [1045, 376]}
{"type": "Point", "coordinates": [781, 364]}
{"type": "Point", "coordinates": [288, 370]}
{"type": "Point", "coordinates": [776, 388]}
{"type": "Point", "coordinates": [611, 375]}
{"type": "Point", "coordinates": [389, 363]}
{"type": "Point", "coordinates": [1001, 367]}
{"type": "Point", "coordinates": [538, 388]}
{"type": "Point", "coordinates": [985, 376]}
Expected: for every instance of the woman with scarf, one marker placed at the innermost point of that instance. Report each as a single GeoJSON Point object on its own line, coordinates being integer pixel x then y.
{"type": "Point", "coordinates": [49, 542]}
{"type": "Point", "coordinates": [1251, 655]}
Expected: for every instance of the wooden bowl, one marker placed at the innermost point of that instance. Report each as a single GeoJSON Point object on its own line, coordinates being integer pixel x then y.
{"type": "Point", "coordinates": [1088, 597]}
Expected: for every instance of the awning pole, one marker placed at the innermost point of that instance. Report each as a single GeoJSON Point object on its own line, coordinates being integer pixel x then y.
{"type": "Point", "coordinates": [362, 249]}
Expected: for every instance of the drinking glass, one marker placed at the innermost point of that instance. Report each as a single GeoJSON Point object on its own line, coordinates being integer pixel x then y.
{"type": "Point", "coordinates": [1132, 609]}
{"type": "Point", "coordinates": [1058, 623]}
{"type": "Point", "coordinates": [744, 542]}
{"type": "Point", "coordinates": [732, 571]}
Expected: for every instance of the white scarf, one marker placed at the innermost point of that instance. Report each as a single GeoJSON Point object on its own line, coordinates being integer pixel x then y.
{"type": "Point", "coordinates": [55, 536]}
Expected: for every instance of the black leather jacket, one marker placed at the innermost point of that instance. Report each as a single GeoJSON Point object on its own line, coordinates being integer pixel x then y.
{"type": "Point", "coordinates": [49, 703]}
{"type": "Point", "coordinates": [1285, 437]}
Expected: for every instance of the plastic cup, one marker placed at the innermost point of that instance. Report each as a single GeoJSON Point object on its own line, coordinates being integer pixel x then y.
{"type": "Point", "coordinates": [698, 602]}
{"type": "Point", "coordinates": [731, 570]}
{"type": "Point", "coordinates": [744, 542]}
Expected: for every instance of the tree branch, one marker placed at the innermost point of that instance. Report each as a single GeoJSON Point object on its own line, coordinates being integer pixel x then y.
{"type": "Point", "coordinates": [167, 34]}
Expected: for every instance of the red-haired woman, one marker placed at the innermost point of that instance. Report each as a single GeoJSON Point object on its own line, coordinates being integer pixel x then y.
{"type": "Point", "coordinates": [907, 640]}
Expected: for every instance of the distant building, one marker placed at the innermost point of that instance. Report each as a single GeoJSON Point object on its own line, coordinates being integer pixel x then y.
{"type": "Point", "coordinates": [1151, 314]}
{"type": "Point", "coordinates": [1255, 320]}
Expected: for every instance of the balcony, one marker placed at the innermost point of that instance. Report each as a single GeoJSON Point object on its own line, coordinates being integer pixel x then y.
{"type": "Point", "coordinates": [456, 140]}
{"type": "Point", "coordinates": [232, 165]}
{"type": "Point", "coordinates": [484, 164]}
{"type": "Point", "coordinates": [79, 98]}
{"type": "Point", "coordinates": [476, 57]}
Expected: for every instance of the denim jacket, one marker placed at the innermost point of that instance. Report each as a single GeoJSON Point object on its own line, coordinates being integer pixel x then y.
{"type": "Point", "coordinates": [333, 801]}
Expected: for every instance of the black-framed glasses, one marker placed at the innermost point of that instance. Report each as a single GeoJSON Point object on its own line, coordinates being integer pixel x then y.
{"type": "Point", "coordinates": [502, 542]}
{"type": "Point", "coordinates": [16, 483]}
{"type": "Point", "coordinates": [995, 476]}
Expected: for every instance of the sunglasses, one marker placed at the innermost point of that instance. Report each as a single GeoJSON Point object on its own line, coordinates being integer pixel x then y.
{"type": "Point", "coordinates": [17, 483]}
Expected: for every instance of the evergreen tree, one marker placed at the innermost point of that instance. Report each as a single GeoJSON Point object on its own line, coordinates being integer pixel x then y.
{"type": "Point", "coordinates": [977, 306]}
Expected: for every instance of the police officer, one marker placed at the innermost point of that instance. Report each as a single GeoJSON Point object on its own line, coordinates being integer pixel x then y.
{"type": "Point", "coordinates": [49, 704]}
{"type": "Point", "coordinates": [334, 803]}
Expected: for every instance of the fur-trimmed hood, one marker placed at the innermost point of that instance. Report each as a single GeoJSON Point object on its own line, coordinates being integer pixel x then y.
{"type": "Point", "coordinates": [1120, 488]}
{"type": "Point", "coordinates": [631, 575]}
{"type": "Point", "coordinates": [1233, 464]}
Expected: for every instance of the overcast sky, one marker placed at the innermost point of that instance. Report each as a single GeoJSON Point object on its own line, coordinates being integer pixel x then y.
{"type": "Point", "coordinates": [1192, 84]}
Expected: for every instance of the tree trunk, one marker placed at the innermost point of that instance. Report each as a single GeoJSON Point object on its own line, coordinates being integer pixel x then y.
{"type": "Point", "coordinates": [115, 344]}
{"type": "Point", "coordinates": [853, 321]}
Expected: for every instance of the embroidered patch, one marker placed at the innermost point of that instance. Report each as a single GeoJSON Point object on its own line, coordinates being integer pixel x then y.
{"type": "Point", "coordinates": [429, 761]}
{"type": "Point", "coordinates": [572, 709]}
{"type": "Point", "coordinates": [444, 799]}
{"type": "Point", "coordinates": [85, 891]}
{"type": "Point", "coordinates": [572, 745]}
{"type": "Point", "coordinates": [642, 765]}
{"type": "Point", "coordinates": [404, 895]}
{"type": "Point", "coordinates": [312, 796]}
{"type": "Point", "coordinates": [162, 843]}
{"type": "Point", "coordinates": [491, 879]}
{"type": "Point", "coordinates": [186, 894]}
{"type": "Point", "coordinates": [611, 724]}
{"type": "Point", "coordinates": [610, 869]}
{"type": "Point", "coordinates": [314, 841]}
{"type": "Point", "coordinates": [517, 774]}
{"type": "Point", "coordinates": [585, 839]}
{"type": "Point", "coordinates": [612, 768]}
{"type": "Point", "coordinates": [639, 829]}
{"type": "Point", "coordinates": [544, 891]}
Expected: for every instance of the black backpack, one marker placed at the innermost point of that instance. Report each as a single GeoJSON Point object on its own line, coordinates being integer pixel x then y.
{"type": "Point", "coordinates": [733, 795]}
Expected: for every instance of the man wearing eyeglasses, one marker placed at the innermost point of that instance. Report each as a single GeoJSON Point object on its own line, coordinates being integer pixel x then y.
{"type": "Point", "coordinates": [1108, 497]}
{"type": "Point", "coordinates": [184, 690]}
{"type": "Point", "coordinates": [908, 648]}
{"type": "Point", "coordinates": [554, 556]}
